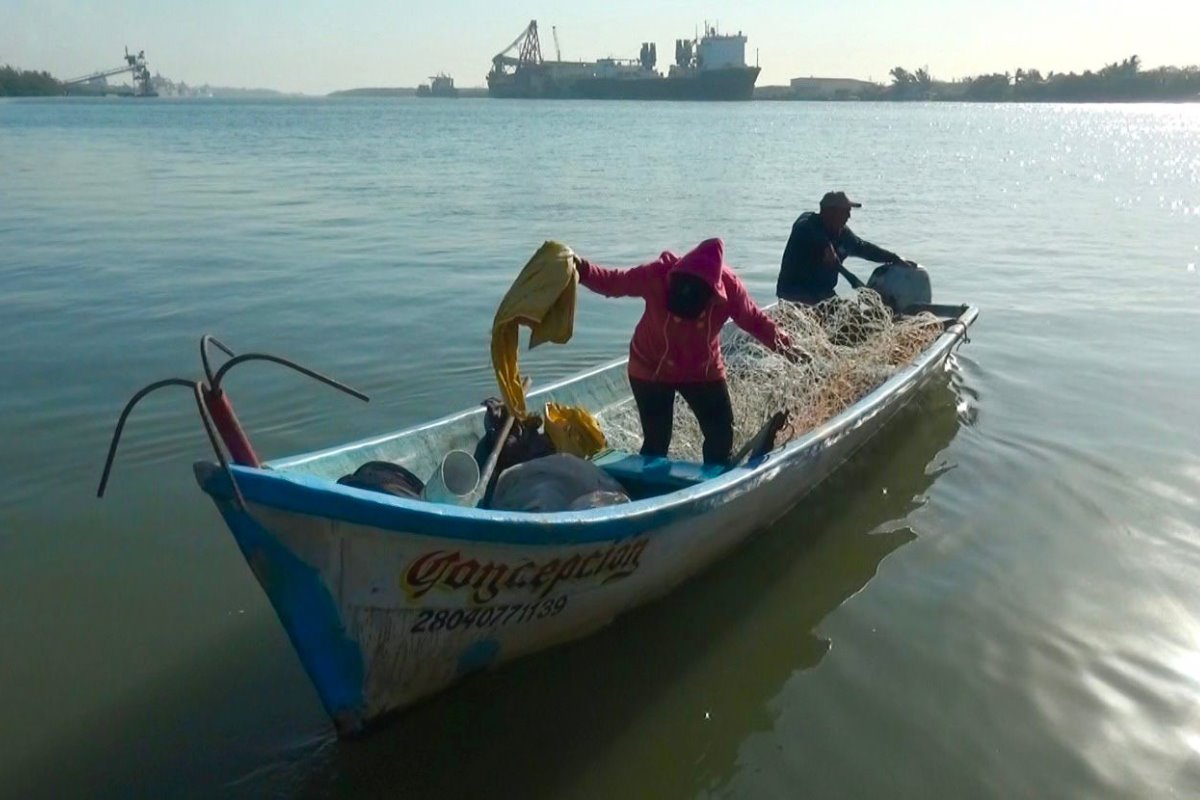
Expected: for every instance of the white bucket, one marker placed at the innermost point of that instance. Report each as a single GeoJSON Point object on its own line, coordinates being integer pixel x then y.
{"type": "Point", "coordinates": [454, 481]}
{"type": "Point", "coordinates": [901, 285]}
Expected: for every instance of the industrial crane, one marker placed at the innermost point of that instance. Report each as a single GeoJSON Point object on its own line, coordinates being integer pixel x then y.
{"type": "Point", "coordinates": [135, 64]}
{"type": "Point", "coordinates": [530, 51]}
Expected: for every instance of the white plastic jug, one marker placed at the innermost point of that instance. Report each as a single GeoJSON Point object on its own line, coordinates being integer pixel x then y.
{"type": "Point", "coordinates": [455, 480]}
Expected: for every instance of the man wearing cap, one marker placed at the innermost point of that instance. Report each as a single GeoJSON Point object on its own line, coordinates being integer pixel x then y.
{"type": "Point", "coordinates": [819, 243]}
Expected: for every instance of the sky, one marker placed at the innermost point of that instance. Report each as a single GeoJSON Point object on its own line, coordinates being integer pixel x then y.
{"type": "Point", "coordinates": [317, 46]}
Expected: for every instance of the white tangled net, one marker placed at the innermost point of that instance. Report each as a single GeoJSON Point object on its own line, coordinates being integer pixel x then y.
{"type": "Point", "coordinates": [852, 346]}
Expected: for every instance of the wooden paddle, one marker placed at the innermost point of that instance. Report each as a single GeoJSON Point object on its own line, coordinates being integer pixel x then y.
{"type": "Point", "coordinates": [489, 466]}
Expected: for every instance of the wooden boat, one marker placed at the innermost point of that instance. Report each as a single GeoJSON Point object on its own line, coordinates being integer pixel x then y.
{"type": "Point", "coordinates": [388, 600]}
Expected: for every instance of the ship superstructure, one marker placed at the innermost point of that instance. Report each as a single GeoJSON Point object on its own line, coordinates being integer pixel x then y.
{"type": "Point", "coordinates": [711, 67]}
{"type": "Point", "coordinates": [440, 85]}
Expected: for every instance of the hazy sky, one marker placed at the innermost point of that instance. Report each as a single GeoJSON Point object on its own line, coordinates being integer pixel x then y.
{"type": "Point", "coordinates": [316, 46]}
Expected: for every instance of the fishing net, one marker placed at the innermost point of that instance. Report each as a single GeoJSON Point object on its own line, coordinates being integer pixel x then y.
{"type": "Point", "coordinates": [850, 346]}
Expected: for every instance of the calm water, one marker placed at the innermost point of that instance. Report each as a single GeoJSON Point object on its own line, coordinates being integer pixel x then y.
{"type": "Point", "coordinates": [1000, 599]}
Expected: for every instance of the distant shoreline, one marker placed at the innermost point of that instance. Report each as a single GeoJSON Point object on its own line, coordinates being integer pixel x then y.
{"type": "Point", "coordinates": [772, 95]}
{"type": "Point", "coordinates": [403, 91]}
{"type": "Point", "coordinates": [394, 94]}
{"type": "Point", "coordinates": [1116, 83]}
{"type": "Point", "coordinates": [1014, 101]}
{"type": "Point", "coordinates": [1123, 81]}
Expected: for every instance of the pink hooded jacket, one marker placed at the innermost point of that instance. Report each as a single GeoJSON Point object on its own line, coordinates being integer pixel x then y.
{"type": "Point", "coordinates": [666, 348]}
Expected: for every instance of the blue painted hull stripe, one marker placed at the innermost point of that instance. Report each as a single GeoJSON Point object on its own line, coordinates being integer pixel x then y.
{"type": "Point", "coordinates": [309, 615]}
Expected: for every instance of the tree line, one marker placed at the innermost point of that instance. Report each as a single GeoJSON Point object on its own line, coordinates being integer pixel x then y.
{"type": "Point", "coordinates": [27, 83]}
{"type": "Point", "coordinates": [1120, 81]}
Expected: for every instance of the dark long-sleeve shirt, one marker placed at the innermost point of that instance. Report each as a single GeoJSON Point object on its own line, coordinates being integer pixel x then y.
{"type": "Point", "coordinates": [803, 276]}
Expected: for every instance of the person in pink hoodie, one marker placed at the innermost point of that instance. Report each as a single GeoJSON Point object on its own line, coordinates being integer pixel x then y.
{"type": "Point", "coordinates": [676, 345]}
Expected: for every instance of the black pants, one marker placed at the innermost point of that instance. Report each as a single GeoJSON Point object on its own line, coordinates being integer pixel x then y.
{"type": "Point", "coordinates": [709, 401]}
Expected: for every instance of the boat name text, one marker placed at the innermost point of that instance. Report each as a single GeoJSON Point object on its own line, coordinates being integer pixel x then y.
{"type": "Point", "coordinates": [450, 570]}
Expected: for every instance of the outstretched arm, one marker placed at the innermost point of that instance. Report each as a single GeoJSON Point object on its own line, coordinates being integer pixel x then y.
{"type": "Point", "coordinates": [867, 251]}
{"type": "Point", "coordinates": [750, 318]}
{"type": "Point", "coordinates": [616, 282]}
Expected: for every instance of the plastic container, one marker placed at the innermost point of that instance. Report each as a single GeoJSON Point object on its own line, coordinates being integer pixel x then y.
{"type": "Point", "coordinates": [902, 285]}
{"type": "Point", "coordinates": [455, 480]}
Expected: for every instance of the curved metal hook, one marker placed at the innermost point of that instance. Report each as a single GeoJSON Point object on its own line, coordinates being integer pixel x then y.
{"type": "Point", "coordinates": [215, 383]}
{"type": "Point", "coordinates": [205, 341]}
{"type": "Point", "coordinates": [112, 447]}
{"type": "Point", "coordinates": [197, 391]}
{"type": "Point", "coordinates": [209, 428]}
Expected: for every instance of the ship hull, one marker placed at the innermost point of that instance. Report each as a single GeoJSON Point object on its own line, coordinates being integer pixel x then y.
{"type": "Point", "coordinates": [733, 84]}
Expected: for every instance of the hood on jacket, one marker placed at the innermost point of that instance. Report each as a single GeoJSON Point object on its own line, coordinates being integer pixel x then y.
{"type": "Point", "coordinates": [706, 261]}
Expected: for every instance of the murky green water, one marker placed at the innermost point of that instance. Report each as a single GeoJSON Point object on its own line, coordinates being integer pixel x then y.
{"type": "Point", "coordinates": [997, 600]}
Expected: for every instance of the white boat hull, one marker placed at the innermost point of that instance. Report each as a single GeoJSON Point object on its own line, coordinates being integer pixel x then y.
{"type": "Point", "coordinates": [389, 600]}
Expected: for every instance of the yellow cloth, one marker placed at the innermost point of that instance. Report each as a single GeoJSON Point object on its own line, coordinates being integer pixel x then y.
{"type": "Point", "coordinates": [573, 430]}
{"type": "Point", "coordinates": [543, 298]}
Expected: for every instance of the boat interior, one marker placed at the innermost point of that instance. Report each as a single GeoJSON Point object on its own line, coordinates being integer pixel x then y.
{"type": "Point", "coordinates": [421, 449]}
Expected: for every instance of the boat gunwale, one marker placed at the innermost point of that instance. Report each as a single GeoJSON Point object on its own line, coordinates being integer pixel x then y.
{"type": "Point", "coordinates": [292, 462]}
{"type": "Point", "coordinates": [317, 496]}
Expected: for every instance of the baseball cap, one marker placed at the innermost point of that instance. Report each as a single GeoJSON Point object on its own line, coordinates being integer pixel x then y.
{"type": "Point", "coordinates": [838, 200]}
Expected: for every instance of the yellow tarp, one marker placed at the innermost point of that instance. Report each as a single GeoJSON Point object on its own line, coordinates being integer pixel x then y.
{"type": "Point", "coordinates": [543, 299]}
{"type": "Point", "coordinates": [573, 430]}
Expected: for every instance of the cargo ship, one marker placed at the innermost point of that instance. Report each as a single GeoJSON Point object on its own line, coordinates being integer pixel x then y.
{"type": "Point", "coordinates": [440, 85]}
{"type": "Point", "coordinates": [711, 67]}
